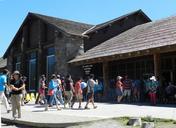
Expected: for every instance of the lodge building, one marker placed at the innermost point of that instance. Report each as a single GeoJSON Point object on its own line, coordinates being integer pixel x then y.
{"type": "Point", "coordinates": [131, 44]}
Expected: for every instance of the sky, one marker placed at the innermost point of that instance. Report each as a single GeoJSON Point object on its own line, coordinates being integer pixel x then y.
{"type": "Point", "coordinates": [13, 12]}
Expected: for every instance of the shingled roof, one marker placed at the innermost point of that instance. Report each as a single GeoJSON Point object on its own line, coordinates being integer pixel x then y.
{"type": "Point", "coordinates": [71, 27]}
{"type": "Point", "coordinates": [102, 25]}
{"type": "Point", "coordinates": [142, 37]}
{"type": "Point", "coordinates": [67, 26]}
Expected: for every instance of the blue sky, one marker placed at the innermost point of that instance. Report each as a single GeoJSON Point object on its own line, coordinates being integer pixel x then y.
{"type": "Point", "coordinates": [13, 12]}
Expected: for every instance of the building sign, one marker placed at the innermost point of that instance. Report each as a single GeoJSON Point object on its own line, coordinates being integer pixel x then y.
{"type": "Point", "coordinates": [87, 69]}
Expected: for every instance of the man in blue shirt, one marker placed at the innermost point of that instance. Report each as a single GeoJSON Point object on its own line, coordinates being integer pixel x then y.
{"type": "Point", "coordinates": [3, 85]}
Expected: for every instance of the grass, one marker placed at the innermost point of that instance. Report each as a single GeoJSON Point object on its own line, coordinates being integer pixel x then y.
{"type": "Point", "coordinates": [159, 123]}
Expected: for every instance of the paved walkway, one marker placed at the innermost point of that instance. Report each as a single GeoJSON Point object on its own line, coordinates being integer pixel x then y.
{"type": "Point", "coordinates": [36, 116]}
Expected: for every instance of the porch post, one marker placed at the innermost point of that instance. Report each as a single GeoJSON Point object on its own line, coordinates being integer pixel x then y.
{"type": "Point", "coordinates": [105, 78]}
{"type": "Point", "coordinates": [157, 65]}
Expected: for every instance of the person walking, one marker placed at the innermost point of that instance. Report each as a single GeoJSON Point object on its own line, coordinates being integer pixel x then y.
{"type": "Point", "coordinates": [119, 89]}
{"type": "Point", "coordinates": [42, 87]}
{"type": "Point", "coordinates": [90, 92]}
{"type": "Point", "coordinates": [59, 90]}
{"type": "Point", "coordinates": [84, 89]}
{"type": "Point", "coordinates": [127, 85]}
{"type": "Point", "coordinates": [153, 90]}
{"type": "Point", "coordinates": [68, 90]}
{"type": "Point", "coordinates": [3, 85]}
{"type": "Point", "coordinates": [78, 93]}
{"type": "Point", "coordinates": [52, 89]}
{"type": "Point", "coordinates": [16, 85]}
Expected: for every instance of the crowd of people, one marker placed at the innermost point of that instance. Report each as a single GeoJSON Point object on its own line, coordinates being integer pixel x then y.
{"type": "Point", "coordinates": [128, 90]}
{"type": "Point", "coordinates": [63, 91]}
{"type": "Point", "coordinates": [57, 91]}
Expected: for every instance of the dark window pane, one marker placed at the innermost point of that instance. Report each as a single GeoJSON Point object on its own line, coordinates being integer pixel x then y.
{"type": "Point", "coordinates": [50, 65]}
{"type": "Point", "coordinates": [51, 51]}
{"type": "Point", "coordinates": [32, 74]}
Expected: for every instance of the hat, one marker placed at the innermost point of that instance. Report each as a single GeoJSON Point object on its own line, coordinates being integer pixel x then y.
{"type": "Point", "coordinates": [119, 77]}
{"type": "Point", "coordinates": [58, 76]}
{"type": "Point", "coordinates": [153, 78]}
{"type": "Point", "coordinates": [16, 72]}
{"type": "Point", "coordinates": [53, 76]}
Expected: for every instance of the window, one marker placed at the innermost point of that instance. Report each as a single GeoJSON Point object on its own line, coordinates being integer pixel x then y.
{"type": "Point", "coordinates": [50, 62]}
{"type": "Point", "coordinates": [18, 66]}
{"type": "Point", "coordinates": [18, 63]}
{"type": "Point", "coordinates": [32, 72]}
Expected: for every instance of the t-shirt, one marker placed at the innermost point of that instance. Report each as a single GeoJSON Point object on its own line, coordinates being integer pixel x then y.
{"type": "Point", "coordinates": [78, 89]}
{"type": "Point", "coordinates": [90, 84]}
{"type": "Point", "coordinates": [17, 84]}
{"type": "Point", "coordinates": [68, 85]}
{"type": "Point", "coordinates": [3, 81]}
{"type": "Point", "coordinates": [127, 84]}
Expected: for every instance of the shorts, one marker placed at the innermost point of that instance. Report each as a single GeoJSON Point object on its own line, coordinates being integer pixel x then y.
{"type": "Point", "coordinates": [127, 92]}
{"type": "Point", "coordinates": [90, 95]}
{"type": "Point", "coordinates": [119, 92]}
{"type": "Point", "coordinates": [79, 97]}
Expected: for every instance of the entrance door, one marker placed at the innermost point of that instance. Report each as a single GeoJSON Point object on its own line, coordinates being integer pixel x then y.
{"type": "Point", "coordinates": [32, 75]}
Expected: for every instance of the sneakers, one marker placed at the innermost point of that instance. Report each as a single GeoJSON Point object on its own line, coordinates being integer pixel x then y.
{"type": "Point", "coordinates": [86, 108]}
{"type": "Point", "coordinates": [8, 111]}
{"type": "Point", "coordinates": [46, 109]}
{"type": "Point", "coordinates": [58, 108]}
{"type": "Point", "coordinates": [95, 107]}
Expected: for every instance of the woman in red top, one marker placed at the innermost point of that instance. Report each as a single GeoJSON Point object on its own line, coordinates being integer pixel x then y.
{"type": "Point", "coordinates": [119, 89]}
{"type": "Point", "coordinates": [78, 93]}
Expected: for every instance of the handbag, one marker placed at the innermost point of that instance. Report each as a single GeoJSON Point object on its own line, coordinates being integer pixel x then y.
{"type": "Point", "coordinates": [51, 92]}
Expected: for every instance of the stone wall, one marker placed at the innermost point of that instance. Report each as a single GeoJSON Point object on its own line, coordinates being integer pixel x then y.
{"type": "Point", "coordinates": [68, 47]}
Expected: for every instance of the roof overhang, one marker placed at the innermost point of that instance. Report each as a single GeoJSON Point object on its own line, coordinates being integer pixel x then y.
{"type": "Point", "coordinates": [127, 55]}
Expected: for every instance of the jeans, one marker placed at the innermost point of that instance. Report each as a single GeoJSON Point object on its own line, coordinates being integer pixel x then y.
{"type": "Point", "coordinates": [4, 100]}
{"type": "Point", "coordinates": [53, 99]}
{"type": "Point", "coordinates": [59, 95]}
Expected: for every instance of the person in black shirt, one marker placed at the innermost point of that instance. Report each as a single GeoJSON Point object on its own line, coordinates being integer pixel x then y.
{"type": "Point", "coordinates": [68, 90]}
{"type": "Point", "coordinates": [16, 85]}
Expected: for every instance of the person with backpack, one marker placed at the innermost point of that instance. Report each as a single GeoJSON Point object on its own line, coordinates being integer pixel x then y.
{"type": "Point", "coordinates": [52, 89]}
{"type": "Point", "coordinates": [68, 91]}
{"type": "Point", "coordinates": [90, 92]}
{"type": "Point", "coordinates": [3, 85]}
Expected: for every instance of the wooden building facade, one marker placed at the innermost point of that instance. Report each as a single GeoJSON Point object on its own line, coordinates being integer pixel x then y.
{"type": "Point", "coordinates": [46, 45]}
{"type": "Point", "coordinates": [147, 49]}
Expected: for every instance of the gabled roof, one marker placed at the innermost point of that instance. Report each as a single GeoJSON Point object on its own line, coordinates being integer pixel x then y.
{"type": "Point", "coordinates": [67, 26]}
{"type": "Point", "coordinates": [142, 37]}
{"type": "Point", "coordinates": [102, 25]}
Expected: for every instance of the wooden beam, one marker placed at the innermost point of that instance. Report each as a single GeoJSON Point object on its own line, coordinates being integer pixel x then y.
{"type": "Point", "coordinates": [105, 78]}
{"type": "Point", "coordinates": [157, 65]}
